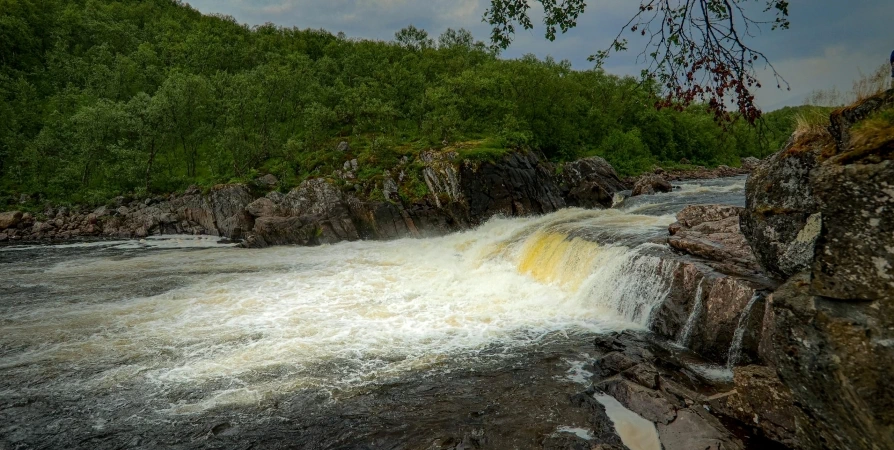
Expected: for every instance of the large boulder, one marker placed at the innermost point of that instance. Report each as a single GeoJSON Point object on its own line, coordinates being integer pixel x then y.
{"type": "Point", "coordinates": [750, 163]}
{"type": "Point", "coordinates": [319, 198]}
{"type": "Point", "coordinates": [283, 231]}
{"type": "Point", "coordinates": [824, 208]}
{"type": "Point", "coordinates": [825, 203]}
{"type": "Point", "coordinates": [10, 219]}
{"type": "Point", "coordinates": [779, 203]}
{"type": "Point", "coordinates": [855, 248]}
{"type": "Point", "coordinates": [712, 232]}
{"type": "Point", "coordinates": [195, 208]}
{"type": "Point", "coordinates": [228, 204]}
{"type": "Point", "coordinates": [519, 184]}
{"type": "Point", "coordinates": [837, 358]}
{"type": "Point", "coordinates": [590, 183]}
{"type": "Point", "coordinates": [650, 184]}
{"type": "Point", "coordinates": [761, 399]}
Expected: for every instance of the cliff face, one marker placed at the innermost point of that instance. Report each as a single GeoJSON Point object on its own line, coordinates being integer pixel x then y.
{"type": "Point", "coordinates": [820, 217]}
{"type": "Point", "coordinates": [461, 194]}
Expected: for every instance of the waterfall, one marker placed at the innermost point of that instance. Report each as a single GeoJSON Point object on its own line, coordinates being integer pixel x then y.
{"type": "Point", "coordinates": [697, 307]}
{"type": "Point", "coordinates": [735, 349]}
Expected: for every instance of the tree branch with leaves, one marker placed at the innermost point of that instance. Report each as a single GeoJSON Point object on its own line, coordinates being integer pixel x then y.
{"type": "Point", "coordinates": [697, 51]}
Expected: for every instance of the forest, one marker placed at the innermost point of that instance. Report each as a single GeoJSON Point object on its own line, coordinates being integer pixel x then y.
{"type": "Point", "coordinates": [100, 98]}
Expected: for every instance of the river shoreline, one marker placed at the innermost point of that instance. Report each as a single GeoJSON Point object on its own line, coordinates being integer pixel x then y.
{"type": "Point", "coordinates": [231, 211]}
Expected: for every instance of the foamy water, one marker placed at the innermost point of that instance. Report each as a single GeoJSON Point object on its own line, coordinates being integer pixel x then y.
{"type": "Point", "coordinates": [254, 323]}
{"type": "Point", "coordinates": [193, 325]}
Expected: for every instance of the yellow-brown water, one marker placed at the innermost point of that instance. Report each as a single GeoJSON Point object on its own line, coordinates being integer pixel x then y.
{"type": "Point", "coordinates": [189, 330]}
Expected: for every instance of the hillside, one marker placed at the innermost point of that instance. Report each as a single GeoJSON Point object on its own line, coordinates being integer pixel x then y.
{"type": "Point", "coordinates": [107, 98]}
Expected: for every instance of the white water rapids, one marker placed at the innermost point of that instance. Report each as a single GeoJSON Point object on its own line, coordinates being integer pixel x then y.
{"type": "Point", "coordinates": [248, 325]}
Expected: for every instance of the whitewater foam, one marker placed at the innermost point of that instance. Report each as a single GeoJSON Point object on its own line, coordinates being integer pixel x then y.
{"type": "Point", "coordinates": [253, 323]}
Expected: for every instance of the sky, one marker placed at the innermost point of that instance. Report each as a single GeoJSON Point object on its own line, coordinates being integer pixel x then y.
{"type": "Point", "coordinates": [830, 43]}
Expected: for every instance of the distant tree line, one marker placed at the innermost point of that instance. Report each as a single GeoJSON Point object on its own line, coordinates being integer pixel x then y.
{"type": "Point", "coordinates": [100, 98]}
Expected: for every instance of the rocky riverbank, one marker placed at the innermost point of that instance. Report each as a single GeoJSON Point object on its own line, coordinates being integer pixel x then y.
{"type": "Point", "coordinates": [803, 364]}
{"type": "Point", "coordinates": [461, 194]}
{"type": "Point", "coordinates": [774, 326]}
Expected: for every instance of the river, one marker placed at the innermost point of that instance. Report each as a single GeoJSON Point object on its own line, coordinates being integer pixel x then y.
{"type": "Point", "coordinates": [475, 338]}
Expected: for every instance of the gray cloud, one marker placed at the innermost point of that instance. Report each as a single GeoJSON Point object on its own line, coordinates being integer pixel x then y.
{"type": "Point", "coordinates": [829, 44]}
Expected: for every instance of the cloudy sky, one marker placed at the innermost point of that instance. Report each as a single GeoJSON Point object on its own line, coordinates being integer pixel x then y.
{"type": "Point", "coordinates": [829, 44]}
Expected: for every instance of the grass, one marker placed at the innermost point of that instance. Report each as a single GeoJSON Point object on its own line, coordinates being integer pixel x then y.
{"type": "Point", "coordinates": [872, 138]}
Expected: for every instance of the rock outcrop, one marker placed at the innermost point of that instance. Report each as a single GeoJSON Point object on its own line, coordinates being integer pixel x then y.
{"type": "Point", "coordinates": [651, 184]}
{"type": "Point", "coordinates": [836, 358]}
{"type": "Point", "coordinates": [670, 388]}
{"type": "Point", "coordinates": [780, 202]}
{"type": "Point", "coordinates": [590, 183]}
{"type": "Point", "coordinates": [10, 219]}
{"type": "Point", "coordinates": [461, 194]}
{"type": "Point", "coordinates": [517, 185]}
{"type": "Point", "coordinates": [712, 232]}
{"type": "Point", "coordinates": [820, 215]}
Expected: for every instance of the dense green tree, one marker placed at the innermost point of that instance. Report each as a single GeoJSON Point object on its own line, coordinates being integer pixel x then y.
{"type": "Point", "coordinates": [100, 98]}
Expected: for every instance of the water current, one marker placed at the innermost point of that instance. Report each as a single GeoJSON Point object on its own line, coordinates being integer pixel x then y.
{"type": "Point", "coordinates": [178, 341]}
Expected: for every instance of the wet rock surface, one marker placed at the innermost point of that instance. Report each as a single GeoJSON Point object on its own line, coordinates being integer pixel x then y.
{"type": "Point", "coordinates": [518, 185]}
{"type": "Point", "coordinates": [679, 392]}
{"type": "Point", "coordinates": [518, 403]}
{"type": "Point", "coordinates": [712, 232]}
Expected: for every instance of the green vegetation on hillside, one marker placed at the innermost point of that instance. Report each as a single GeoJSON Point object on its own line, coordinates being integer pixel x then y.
{"type": "Point", "coordinates": [100, 98]}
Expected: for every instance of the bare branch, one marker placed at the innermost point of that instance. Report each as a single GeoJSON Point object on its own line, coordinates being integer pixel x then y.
{"type": "Point", "coordinates": [696, 50]}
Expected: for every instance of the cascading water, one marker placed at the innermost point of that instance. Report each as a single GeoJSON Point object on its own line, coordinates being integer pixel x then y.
{"type": "Point", "coordinates": [150, 333]}
{"type": "Point", "coordinates": [250, 324]}
{"type": "Point", "coordinates": [735, 349]}
{"type": "Point", "coordinates": [698, 305]}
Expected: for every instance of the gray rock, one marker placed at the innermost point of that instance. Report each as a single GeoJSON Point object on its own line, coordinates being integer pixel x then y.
{"type": "Point", "coordinates": [650, 184]}
{"type": "Point", "coordinates": [779, 200]}
{"type": "Point", "coordinates": [195, 208]}
{"type": "Point", "coordinates": [694, 429]}
{"type": "Point", "coordinates": [750, 163]}
{"type": "Point", "coordinates": [761, 400]}
{"type": "Point", "coordinates": [343, 146]}
{"type": "Point", "coordinates": [650, 404]}
{"type": "Point", "coordinates": [228, 204]}
{"type": "Point", "coordinates": [837, 358]}
{"type": "Point", "coordinates": [712, 232]}
{"type": "Point", "coordinates": [283, 231]}
{"type": "Point", "coordinates": [10, 219]}
{"type": "Point", "coordinates": [319, 198]}
{"type": "Point", "coordinates": [389, 187]}
{"type": "Point", "coordinates": [518, 184]}
{"type": "Point", "coordinates": [590, 183]}
{"type": "Point", "coordinates": [843, 119]}
{"type": "Point", "coordinates": [267, 181]}
{"type": "Point", "coordinates": [855, 245]}
{"type": "Point", "coordinates": [442, 176]}
{"type": "Point", "coordinates": [262, 207]}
